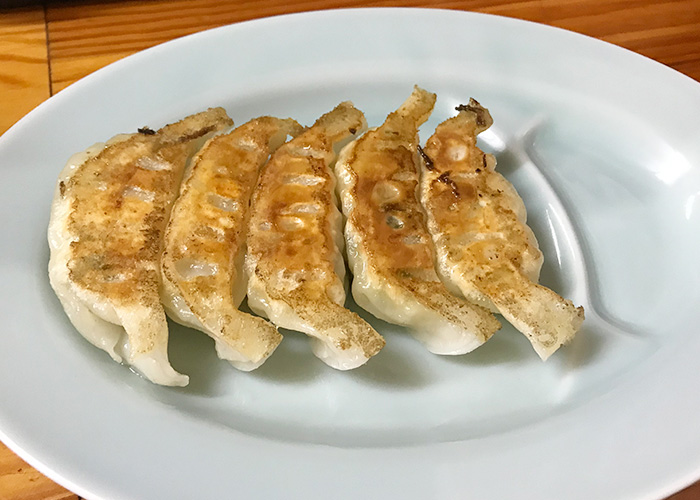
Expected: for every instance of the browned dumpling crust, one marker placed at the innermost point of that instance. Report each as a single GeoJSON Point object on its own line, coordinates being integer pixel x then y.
{"type": "Point", "coordinates": [389, 247]}
{"type": "Point", "coordinates": [202, 264]}
{"type": "Point", "coordinates": [485, 249]}
{"type": "Point", "coordinates": [107, 225]}
{"type": "Point", "coordinates": [294, 259]}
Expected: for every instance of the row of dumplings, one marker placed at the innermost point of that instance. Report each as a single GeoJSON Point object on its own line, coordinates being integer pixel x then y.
{"type": "Point", "coordinates": [193, 217]}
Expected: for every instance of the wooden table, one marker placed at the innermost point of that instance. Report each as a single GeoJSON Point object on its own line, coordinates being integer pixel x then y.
{"type": "Point", "coordinates": [46, 47]}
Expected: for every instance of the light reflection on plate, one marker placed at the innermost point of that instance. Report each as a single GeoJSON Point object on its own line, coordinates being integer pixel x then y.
{"type": "Point", "coordinates": [611, 189]}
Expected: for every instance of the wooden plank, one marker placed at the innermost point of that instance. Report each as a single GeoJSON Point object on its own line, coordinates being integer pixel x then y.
{"type": "Point", "coordinates": [84, 37]}
{"type": "Point", "coordinates": [689, 493]}
{"type": "Point", "coordinates": [24, 75]}
{"type": "Point", "coordinates": [19, 481]}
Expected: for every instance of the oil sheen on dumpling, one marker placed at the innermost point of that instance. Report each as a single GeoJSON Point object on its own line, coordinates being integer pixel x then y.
{"type": "Point", "coordinates": [294, 261]}
{"type": "Point", "coordinates": [105, 235]}
{"type": "Point", "coordinates": [202, 264]}
{"type": "Point", "coordinates": [388, 245]}
{"type": "Point", "coordinates": [485, 249]}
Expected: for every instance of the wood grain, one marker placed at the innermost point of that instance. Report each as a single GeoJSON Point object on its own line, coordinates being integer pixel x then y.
{"type": "Point", "coordinates": [84, 36]}
{"type": "Point", "coordinates": [24, 76]}
{"type": "Point", "coordinates": [19, 481]}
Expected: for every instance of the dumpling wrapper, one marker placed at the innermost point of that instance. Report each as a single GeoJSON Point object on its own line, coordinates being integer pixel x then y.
{"type": "Point", "coordinates": [205, 242]}
{"type": "Point", "coordinates": [389, 248]}
{"type": "Point", "coordinates": [105, 235]}
{"type": "Point", "coordinates": [486, 251]}
{"type": "Point", "coordinates": [294, 261]}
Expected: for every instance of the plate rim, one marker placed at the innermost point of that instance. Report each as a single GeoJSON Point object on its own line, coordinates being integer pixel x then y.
{"type": "Point", "coordinates": [116, 66]}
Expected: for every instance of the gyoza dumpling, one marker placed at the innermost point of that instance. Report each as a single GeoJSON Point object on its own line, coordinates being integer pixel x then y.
{"type": "Point", "coordinates": [105, 235]}
{"type": "Point", "coordinates": [203, 278]}
{"type": "Point", "coordinates": [388, 245]}
{"type": "Point", "coordinates": [294, 259]}
{"type": "Point", "coordinates": [485, 249]}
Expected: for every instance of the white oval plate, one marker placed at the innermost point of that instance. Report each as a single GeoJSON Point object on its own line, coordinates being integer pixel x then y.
{"type": "Point", "coordinates": [604, 146]}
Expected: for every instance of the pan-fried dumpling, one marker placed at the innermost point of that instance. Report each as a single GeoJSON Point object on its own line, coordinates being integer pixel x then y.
{"type": "Point", "coordinates": [105, 236]}
{"type": "Point", "coordinates": [388, 245]}
{"type": "Point", "coordinates": [202, 264]}
{"type": "Point", "coordinates": [294, 259]}
{"type": "Point", "coordinates": [485, 249]}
